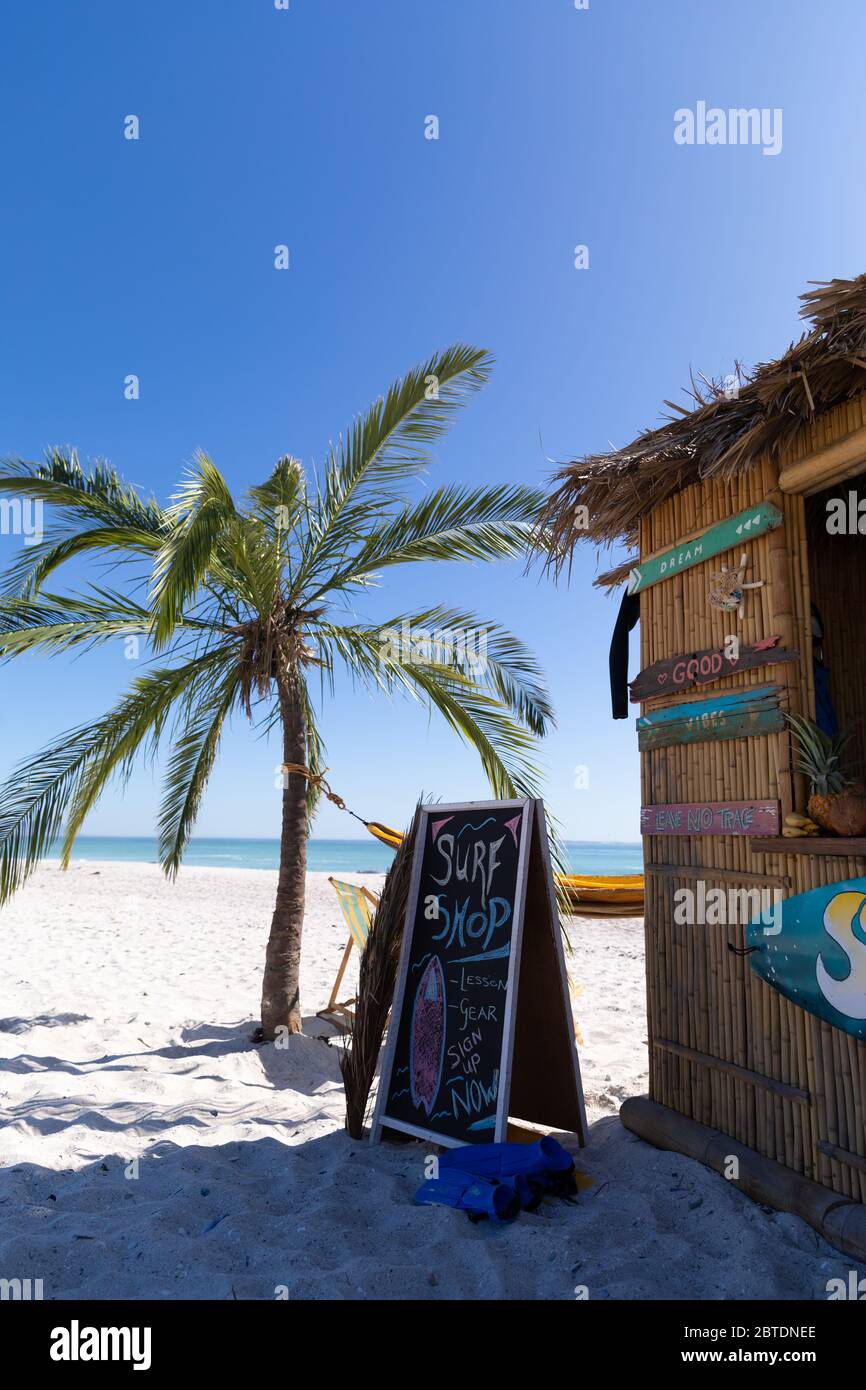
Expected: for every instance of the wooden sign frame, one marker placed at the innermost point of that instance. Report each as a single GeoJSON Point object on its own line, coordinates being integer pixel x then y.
{"type": "Point", "coordinates": [539, 1072]}
{"type": "Point", "coordinates": [695, 669]}
{"type": "Point", "coordinates": [715, 540]}
{"type": "Point", "coordinates": [711, 818]}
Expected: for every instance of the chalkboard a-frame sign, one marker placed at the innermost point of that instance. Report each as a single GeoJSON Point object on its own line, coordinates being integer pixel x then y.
{"type": "Point", "coordinates": [481, 1027]}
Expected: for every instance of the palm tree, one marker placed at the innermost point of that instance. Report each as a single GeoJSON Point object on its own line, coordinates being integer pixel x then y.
{"type": "Point", "coordinates": [241, 605]}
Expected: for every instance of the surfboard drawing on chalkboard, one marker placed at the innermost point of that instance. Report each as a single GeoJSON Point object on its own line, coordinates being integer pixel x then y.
{"type": "Point", "coordinates": [427, 1037]}
{"type": "Point", "coordinates": [818, 957]}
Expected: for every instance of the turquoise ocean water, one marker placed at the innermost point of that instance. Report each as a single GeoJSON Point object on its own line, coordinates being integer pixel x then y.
{"type": "Point", "coordinates": [328, 856]}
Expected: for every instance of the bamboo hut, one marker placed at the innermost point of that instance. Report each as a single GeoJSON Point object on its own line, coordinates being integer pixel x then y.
{"type": "Point", "coordinates": [737, 1070]}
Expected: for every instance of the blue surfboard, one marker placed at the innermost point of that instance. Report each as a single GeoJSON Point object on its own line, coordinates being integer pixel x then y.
{"type": "Point", "coordinates": [815, 953]}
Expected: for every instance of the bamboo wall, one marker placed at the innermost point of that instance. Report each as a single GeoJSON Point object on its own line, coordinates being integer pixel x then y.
{"type": "Point", "coordinates": [725, 1048]}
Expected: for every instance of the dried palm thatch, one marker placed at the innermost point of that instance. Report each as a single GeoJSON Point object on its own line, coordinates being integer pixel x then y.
{"type": "Point", "coordinates": [729, 427]}
{"type": "Point", "coordinates": [378, 973]}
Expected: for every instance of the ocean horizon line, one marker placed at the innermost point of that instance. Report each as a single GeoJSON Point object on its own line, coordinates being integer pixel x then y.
{"type": "Point", "coordinates": [314, 839]}
{"type": "Point", "coordinates": [603, 857]}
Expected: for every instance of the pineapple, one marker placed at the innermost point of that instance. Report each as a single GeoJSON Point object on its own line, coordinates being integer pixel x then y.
{"type": "Point", "coordinates": [835, 803]}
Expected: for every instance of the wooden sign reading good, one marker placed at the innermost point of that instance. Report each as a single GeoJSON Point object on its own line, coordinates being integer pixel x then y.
{"type": "Point", "coordinates": [702, 668]}
{"type": "Point", "coordinates": [712, 818]}
{"type": "Point", "coordinates": [724, 536]}
{"type": "Point", "coordinates": [742, 714]}
{"type": "Point", "coordinates": [481, 1026]}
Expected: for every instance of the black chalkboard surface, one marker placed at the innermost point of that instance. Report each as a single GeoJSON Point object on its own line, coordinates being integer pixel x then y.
{"type": "Point", "coordinates": [464, 969]}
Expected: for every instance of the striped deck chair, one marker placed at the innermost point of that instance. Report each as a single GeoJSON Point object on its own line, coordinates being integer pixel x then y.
{"type": "Point", "coordinates": [357, 904]}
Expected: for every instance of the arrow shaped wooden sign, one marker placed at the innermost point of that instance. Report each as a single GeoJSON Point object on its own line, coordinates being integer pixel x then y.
{"type": "Point", "coordinates": [726, 535]}
{"type": "Point", "coordinates": [691, 669]}
{"type": "Point", "coordinates": [741, 714]}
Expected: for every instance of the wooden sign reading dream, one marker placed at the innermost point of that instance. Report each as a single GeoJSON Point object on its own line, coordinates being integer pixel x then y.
{"type": "Point", "coordinates": [725, 535]}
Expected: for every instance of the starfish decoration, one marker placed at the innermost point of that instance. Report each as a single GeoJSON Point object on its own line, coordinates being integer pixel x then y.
{"type": "Point", "coordinates": [728, 591]}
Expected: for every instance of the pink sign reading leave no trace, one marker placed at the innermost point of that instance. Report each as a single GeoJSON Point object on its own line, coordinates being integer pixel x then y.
{"type": "Point", "coordinates": [711, 818]}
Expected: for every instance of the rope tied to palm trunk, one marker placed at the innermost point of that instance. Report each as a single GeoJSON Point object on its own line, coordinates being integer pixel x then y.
{"type": "Point", "coordinates": [318, 780]}
{"type": "Point", "coordinates": [383, 833]}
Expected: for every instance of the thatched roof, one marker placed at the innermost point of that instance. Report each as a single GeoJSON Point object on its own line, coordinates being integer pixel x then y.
{"type": "Point", "coordinates": [723, 433]}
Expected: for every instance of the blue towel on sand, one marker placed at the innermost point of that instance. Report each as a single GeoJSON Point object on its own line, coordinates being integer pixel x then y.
{"type": "Point", "coordinates": [471, 1176]}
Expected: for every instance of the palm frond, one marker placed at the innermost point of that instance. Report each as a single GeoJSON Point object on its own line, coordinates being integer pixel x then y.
{"type": "Point", "coordinates": [36, 563]}
{"type": "Point", "coordinates": [251, 562]}
{"type": "Point", "coordinates": [390, 441]}
{"type": "Point", "coordinates": [386, 447]}
{"type": "Point", "coordinates": [278, 500]}
{"type": "Point", "coordinates": [485, 725]}
{"type": "Point", "coordinates": [96, 511]}
{"type": "Point", "coordinates": [56, 623]}
{"type": "Point", "coordinates": [98, 495]}
{"type": "Point", "coordinates": [189, 769]}
{"type": "Point", "coordinates": [482, 717]}
{"type": "Point", "coordinates": [202, 512]}
{"type": "Point", "coordinates": [33, 802]}
{"type": "Point", "coordinates": [137, 725]}
{"type": "Point", "coordinates": [459, 642]}
{"type": "Point", "coordinates": [451, 523]}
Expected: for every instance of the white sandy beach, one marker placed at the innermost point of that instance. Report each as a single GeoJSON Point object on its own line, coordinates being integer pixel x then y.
{"type": "Point", "coordinates": [126, 1008]}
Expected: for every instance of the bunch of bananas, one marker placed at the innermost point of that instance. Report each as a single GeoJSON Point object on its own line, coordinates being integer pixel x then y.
{"type": "Point", "coordinates": [796, 826]}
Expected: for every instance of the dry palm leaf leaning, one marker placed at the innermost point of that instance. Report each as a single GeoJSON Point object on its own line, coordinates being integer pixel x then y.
{"type": "Point", "coordinates": [378, 972]}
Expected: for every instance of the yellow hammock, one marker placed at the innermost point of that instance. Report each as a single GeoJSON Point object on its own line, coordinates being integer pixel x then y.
{"type": "Point", "coordinates": [621, 895]}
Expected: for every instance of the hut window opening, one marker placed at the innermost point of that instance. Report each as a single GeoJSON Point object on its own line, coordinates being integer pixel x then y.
{"type": "Point", "coordinates": [836, 536]}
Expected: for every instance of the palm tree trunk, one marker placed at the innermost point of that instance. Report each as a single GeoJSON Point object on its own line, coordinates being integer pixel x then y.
{"type": "Point", "coordinates": [281, 1008]}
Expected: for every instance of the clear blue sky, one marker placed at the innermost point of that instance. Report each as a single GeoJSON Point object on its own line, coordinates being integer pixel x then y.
{"type": "Point", "coordinates": [306, 127]}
